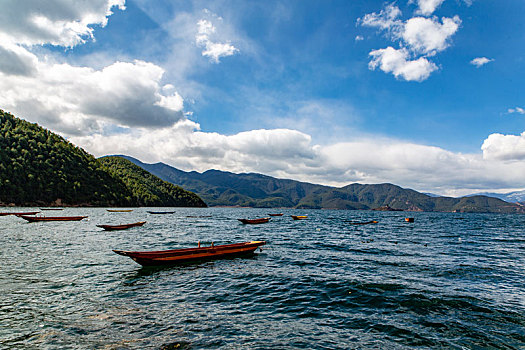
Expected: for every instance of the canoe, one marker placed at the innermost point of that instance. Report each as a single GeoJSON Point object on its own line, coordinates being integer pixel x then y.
{"type": "Point", "coordinates": [51, 208]}
{"type": "Point", "coordinates": [364, 223]}
{"type": "Point", "coordinates": [409, 219]}
{"type": "Point", "coordinates": [299, 217]}
{"type": "Point", "coordinates": [254, 221]}
{"type": "Point", "coordinates": [280, 214]}
{"type": "Point", "coordinates": [52, 218]}
{"type": "Point", "coordinates": [121, 227]}
{"type": "Point", "coordinates": [160, 212]}
{"type": "Point", "coordinates": [119, 210]}
{"type": "Point", "coordinates": [177, 256]}
{"type": "Point", "coordinates": [20, 213]}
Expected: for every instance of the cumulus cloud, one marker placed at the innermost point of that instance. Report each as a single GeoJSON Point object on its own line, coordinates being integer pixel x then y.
{"type": "Point", "coordinates": [427, 7]}
{"type": "Point", "coordinates": [397, 62]}
{"type": "Point", "coordinates": [504, 147]}
{"type": "Point", "coordinates": [15, 60]}
{"type": "Point", "coordinates": [208, 40]}
{"type": "Point", "coordinates": [57, 22]}
{"type": "Point", "coordinates": [419, 38]}
{"type": "Point", "coordinates": [480, 61]}
{"type": "Point", "coordinates": [427, 35]}
{"type": "Point", "coordinates": [77, 100]}
{"type": "Point", "coordinates": [286, 153]}
{"type": "Point", "coordinates": [516, 110]}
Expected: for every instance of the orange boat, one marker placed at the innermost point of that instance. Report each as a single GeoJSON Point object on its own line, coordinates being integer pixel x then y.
{"type": "Point", "coordinates": [299, 217]}
{"type": "Point", "coordinates": [121, 227]}
{"type": "Point", "coordinates": [177, 256]}
{"type": "Point", "coordinates": [254, 221]}
{"type": "Point", "coordinates": [52, 218]}
{"type": "Point", "coordinates": [280, 214]}
{"type": "Point", "coordinates": [409, 219]}
{"type": "Point", "coordinates": [20, 213]}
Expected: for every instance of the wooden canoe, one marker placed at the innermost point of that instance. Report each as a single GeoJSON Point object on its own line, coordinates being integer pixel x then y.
{"type": "Point", "coordinates": [279, 214]}
{"type": "Point", "coordinates": [364, 223]}
{"type": "Point", "coordinates": [177, 256]}
{"type": "Point", "coordinates": [160, 212]}
{"type": "Point", "coordinates": [20, 213]}
{"type": "Point", "coordinates": [51, 208]}
{"type": "Point", "coordinates": [121, 227]}
{"type": "Point", "coordinates": [119, 210]}
{"type": "Point", "coordinates": [52, 218]}
{"type": "Point", "coordinates": [299, 217]}
{"type": "Point", "coordinates": [254, 221]}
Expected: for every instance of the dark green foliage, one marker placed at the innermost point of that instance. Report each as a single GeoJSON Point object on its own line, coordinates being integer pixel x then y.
{"type": "Point", "coordinates": [38, 167]}
{"type": "Point", "coordinates": [255, 190]}
{"type": "Point", "coordinates": [147, 189]}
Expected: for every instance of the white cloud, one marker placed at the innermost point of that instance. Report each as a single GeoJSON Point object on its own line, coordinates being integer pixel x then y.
{"type": "Point", "coordinates": [56, 22]}
{"type": "Point", "coordinates": [419, 38]}
{"type": "Point", "coordinates": [204, 38]}
{"type": "Point", "coordinates": [504, 147]}
{"type": "Point", "coordinates": [286, 153]}
{"type": "Point", "coordinates": [516, 110]}
{"type": "Point", "coordinates": [397, 62]}
{"type": "Point", "coordinates": [77, 100]}
{"type": "Point", "coordinates": [385, 20]}
{"type": "Point", "coordinates": [480, 61]}
{"type": "Point", "coordinates": [427, 35]}
{"type": "Point", "coordinates": [16, 60]}
{"type": "Point", "coordinates": [359, 38]}
{"type": "Point", "coordinates": [427, 7]}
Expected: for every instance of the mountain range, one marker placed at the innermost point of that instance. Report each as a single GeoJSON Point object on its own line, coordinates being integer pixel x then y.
{"type": "Point", "coordinates": [220, 188]}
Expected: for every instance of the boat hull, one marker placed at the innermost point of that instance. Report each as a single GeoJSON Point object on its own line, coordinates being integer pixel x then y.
{"type": "Point", "coordinates": [254, 221]}
{"type": "Point", "coordinates": [51, 218]}
{"type": "Point", "coordinates": [299, 217]}
{"type": "Point", "coordinates": [179, 256]}
{"type": "Point", "coordinates": [121, 227]}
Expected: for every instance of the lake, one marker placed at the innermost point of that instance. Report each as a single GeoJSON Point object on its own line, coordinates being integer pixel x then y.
{"type": "Point", "coordinates": [447, 280]}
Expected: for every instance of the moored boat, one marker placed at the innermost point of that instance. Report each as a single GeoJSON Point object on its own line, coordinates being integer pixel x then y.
{"type": "Point", "coordinates": [51, 218]}
{"type": "Point", "coordinates": [20, 213]}
{"type": "Point", "coordinates": [160, 212]}
{"type": "Point", "coordinates": [364, 223]}
{"type": "Point", "coordinates": [119, 210]}
{"type": "Point", "coordinates": [409, 219]}
{"type": "Point", "coordinates": [51, 208]}
{"type": "Point", "coordinates": [299, 217]}
{"type": "Point", "coordinates": [121, 227]}
{"type": "Point", "coordinates": [254, 221]}
{"type": "Point", "coordinates": [176, 256]}
{"type": "Point", "coordinates": [278, 214]}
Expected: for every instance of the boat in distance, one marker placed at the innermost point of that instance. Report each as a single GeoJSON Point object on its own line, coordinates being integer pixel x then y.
{"type": "Point", "coordinates": [254, 221]}
{"type": "Point", "coordinates": [278, 214]}
{"type": "Point", "coordinates": [51, 218]}
{"type": "Point", "coordinates": [51, 208]}
{"type": "Point", "coordinates": [119, 210]}
{"type": "Point", "coordinates": [20, 213]}
{"type": "Point", "coordinates": [299, 217]}
{"type": "Point", "coordinates": [364, 223]}
{"type": "Point", "coordinates": [160, 212]}
{"type": "Point", "coordinates": [121, 227]}
{"type": "Point", "coordinates": [177, 256]}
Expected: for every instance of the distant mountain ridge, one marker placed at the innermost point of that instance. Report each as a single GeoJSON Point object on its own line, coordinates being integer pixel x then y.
{"type": "Point", "coordinates": [220, 188]}
{"type": "Point", "coordinates": [511, 197]}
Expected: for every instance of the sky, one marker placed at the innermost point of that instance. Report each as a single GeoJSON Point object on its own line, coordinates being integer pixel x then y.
{"type": "Point", "coordinates": [425, 94]}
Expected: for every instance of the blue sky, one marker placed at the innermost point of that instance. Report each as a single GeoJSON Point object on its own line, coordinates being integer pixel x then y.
{"type": "Point", "coordinates": [425, 94]}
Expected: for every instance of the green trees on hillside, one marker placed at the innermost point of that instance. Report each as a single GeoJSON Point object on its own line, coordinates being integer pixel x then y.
{"type": "Point", "coordinates": [38, 167]}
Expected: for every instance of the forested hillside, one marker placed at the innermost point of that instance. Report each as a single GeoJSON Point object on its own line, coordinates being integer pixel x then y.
{"type": "Point", "coordinates": [38, 167]}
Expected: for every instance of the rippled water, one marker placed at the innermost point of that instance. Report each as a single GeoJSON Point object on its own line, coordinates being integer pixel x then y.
{"type": "Point", "coordinates": [444, 281]}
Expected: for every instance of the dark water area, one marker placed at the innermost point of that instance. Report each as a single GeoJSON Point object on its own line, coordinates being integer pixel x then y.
{"type": "Point", "coordinates": [444, 281]}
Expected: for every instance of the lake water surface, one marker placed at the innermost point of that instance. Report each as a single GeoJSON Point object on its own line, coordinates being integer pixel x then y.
{"type": "Point", "coordinates": [444, 281]}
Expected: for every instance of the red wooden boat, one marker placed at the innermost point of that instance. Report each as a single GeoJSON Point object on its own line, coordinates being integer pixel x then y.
{"type": "Point", "coordinates": [52, 218]}
{"type": "Point", "coordinates": [299, 217]}
{"type": "Point", "coordinates": [160, 212]}
{"type": "Point", "coordinates": [121, 227]}
{"type": "Point", "coordinates": [20, 213]}
{"type": "Point", "coordinates": [119, 210]}
{"type": "Point", "coordinates": [254, 221]}
{"type": "Point", "coordinates": [279, 214]}
{"type": "Point", "coordinates": [176, 256]}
